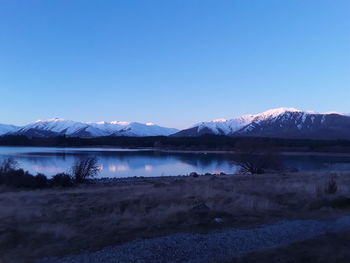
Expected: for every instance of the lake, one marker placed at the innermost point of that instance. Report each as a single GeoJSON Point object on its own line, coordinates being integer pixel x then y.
{"type": "Point", "coordinates": [128, 163]}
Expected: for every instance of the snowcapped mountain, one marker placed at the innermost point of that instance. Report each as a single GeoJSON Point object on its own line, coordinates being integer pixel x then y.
{"type": "Point", "coordinates": [281, 123]}
{"type": "Point", "coordinates": [293, 123]}
{"type": "Point", "coordinates": [217, 127]}
{"type": "Point", "coordinates": [51, 127]}
{"type": "Point", "coordinates": [6, 128]}
{"type": "Point", "coordinates": [118, 128]}
{"type": "Point", "coordinates": [278, 123]}
{"type": "Point", "coordinates": [56, 127]}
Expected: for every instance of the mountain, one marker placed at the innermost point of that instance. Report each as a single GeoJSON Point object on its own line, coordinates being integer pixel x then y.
{"type": "Point", "coordinates": [275, 123]}
{"type": "Point", "coordinates": [279, 123]}
{"type": "Point", "coordinates": [118, 128]}
{"type": "Point", "coordinates": [300, 125]}
{"type": "Point", "coordinates": [57, 127]}
{"type": "Point", "coordinates": [6, 128]}
{"type": "Point", "coordinates": [217, 127]}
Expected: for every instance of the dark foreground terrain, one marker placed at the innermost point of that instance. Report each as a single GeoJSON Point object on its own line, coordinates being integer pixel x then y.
{"type": "Point", "coordinates": [215, 246]}
{"type": "Point", "coordinates": [59, 222]}
{"type": "Point", "coordinates": [328, 248]}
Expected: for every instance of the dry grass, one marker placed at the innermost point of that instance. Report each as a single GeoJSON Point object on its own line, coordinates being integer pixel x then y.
{"type": "Point", "coordinates": [35, 224]}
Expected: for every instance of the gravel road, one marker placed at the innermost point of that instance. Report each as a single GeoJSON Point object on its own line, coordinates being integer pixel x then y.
{"type": "Point", "coordinates": [200, 248]}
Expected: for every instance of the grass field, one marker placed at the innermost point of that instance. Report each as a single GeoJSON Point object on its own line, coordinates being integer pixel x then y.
{"type": "Point", "coordinates": [57, 222]}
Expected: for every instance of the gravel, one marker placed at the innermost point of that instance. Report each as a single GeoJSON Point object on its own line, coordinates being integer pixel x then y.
{"type": "Point", "coordinates": [214, 246]}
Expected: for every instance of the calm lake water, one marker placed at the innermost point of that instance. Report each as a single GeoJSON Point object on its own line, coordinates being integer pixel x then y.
{"type": "Point", "coordinates": [129, 163]}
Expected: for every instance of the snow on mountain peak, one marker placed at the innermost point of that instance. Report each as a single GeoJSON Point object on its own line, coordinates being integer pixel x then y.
{"type": "Point", "coordinates": [57, 126]}
{"type": "Point", "coordinates": [228, 127]}
{"type": "Point", "coordinates": [124, 123]}
{"type": "Point", "coordinates": [336, 112]}
{"type": "Point", "coordinates": [219, 120]}
{"type": "Point", "coordinates": [50, 120]}
{"type": "Point", "coordinates": [278, 111]}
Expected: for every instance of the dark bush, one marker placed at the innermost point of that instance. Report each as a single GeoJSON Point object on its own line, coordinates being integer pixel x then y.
{"type": "Point", "coordinates": [257, 158]}
{"type": "Point", "coordinates": [19, 179]}
{"type": "Point", "coordinates": [194, 174]}
{"type": "Point", "coordinates": [61, 180]}
{"type": "Point", "coordinates": [8, 165]}
{"type": "Point", "coordinates": [41, 181]}
{"type": "Point", "coordinates": [84, 169]}
{"type": "Point", "coordinates": [331, 187]}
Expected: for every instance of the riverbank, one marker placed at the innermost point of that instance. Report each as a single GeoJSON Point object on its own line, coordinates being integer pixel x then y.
{"type": "Point", "coordinates": [60, 222]}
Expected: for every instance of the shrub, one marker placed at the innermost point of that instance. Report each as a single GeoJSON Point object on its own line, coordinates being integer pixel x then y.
{"type": "Point", "coordinates": [255, 158]}
{"type": "Point", "coordinates": [41, 181]}
{"type": "Point", "coordinates": [20, 179]}
{"type": "Point", "coordinates": [84, 169]}
{"type": "Point", "coordinates": [331, 187]}
{"type": "Point", "coordinates": [194, 174]}
{"type": "Point", "coordinates": [8, 165]}
{"type": "Point", "coordinates": [61, 180]}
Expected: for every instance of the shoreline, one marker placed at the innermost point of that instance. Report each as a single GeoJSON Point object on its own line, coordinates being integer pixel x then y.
{"type": "Point", "coordinates": [154, 149]}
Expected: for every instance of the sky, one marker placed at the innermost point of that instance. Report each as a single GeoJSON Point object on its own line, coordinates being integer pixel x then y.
{"type": "Point", "coordinates": [174, 63]}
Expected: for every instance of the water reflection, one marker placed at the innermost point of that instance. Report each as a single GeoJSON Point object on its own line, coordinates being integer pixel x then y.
{"type": "Point", "coordinates": [125, 163]}
{"type": "Point", "coordinates": [148, 168]}
{"type": "Point", "coordinates": [118, 168]}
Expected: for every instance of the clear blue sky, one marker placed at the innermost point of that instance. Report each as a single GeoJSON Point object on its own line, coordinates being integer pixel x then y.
{"type": "Point", "coordinates": [173, 62]}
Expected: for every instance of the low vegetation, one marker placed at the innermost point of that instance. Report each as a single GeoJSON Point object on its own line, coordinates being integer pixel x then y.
{"type": "Point", "coordinates": [61, 221]}
{"type": "Point", "coordinates": [84, 169]}
{"type": "Point", "coordinates": [13, 177]}
{"type": "Point", "coordinates": [257, 158]}
{"type": "Point", "coordinates": [205, 142]}
{"type": "Point", "coordinates": [331, 187]}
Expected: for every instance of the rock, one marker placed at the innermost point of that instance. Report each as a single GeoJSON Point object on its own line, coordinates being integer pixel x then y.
{"type": "Point", "coordinates": [218, 220]}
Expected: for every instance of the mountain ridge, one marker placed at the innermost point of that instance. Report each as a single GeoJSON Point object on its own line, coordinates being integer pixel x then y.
{"type": "Point", "coordinates": [279, 123]}
{"type": "Point", "coordinates": [276, 123]}
{"type": "Point", "coordinates": [59, 127]}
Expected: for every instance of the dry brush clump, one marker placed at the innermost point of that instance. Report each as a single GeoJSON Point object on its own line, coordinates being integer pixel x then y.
{"type": "Point", "coordinates": [84, 169]}
{"type": "Point", "coordinates": [257, 158]}
{"type": "Point", "coordinates": [331, 187]}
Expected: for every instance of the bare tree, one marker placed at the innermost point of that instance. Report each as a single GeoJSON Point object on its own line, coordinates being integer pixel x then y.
{"type": "Point", "coordinates": [256, 157]}
{"type": "Point", "coordinates": [84, 169]}
{"type": "Point", "coordinates": [8, 165]}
